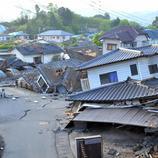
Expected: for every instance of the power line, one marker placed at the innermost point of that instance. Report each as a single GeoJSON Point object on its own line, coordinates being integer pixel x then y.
{"type": "Point", "coordinates": [27, 10]}
{"type": "Point", "coordinates": [123, 14]}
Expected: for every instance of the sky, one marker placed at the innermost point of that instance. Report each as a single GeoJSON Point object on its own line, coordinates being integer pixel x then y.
{"type": "Point", "coordinates": [10, 9]}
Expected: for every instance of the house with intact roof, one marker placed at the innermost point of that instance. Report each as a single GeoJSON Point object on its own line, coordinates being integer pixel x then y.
{"type": "Point", "coordinates": [57, 36]}
{"type": "Point", "coordinates": [37, 52]}
{"type": "Point", "coordinates": [116, 66]}
{"type": "Point", "coordinates": [19, 35]}
{"type": "Point", "coordinates": [123, 36]}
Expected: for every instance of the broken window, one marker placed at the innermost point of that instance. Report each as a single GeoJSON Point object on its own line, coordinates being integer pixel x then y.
{"type": "Point", "coordinates": [153, 69]}
{"type": "Point", "coordinates": [42, 84]}
{"type": "Point", "coordinates": [134, 70]}
{"type": "Point", "coordinates": [108, 78]}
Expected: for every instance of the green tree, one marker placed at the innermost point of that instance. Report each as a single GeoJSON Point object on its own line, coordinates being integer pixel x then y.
{"type": "Point", "coordinates": [66, 15]}
{"type": "Point", "coordinates": [115, 22]}
{"type": "Point", "coordinates": [155, 22]}
{"type": "Point", "coordinates": [96, 38]}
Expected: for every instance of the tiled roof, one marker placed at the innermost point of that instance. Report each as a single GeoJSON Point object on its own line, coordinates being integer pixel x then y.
{"type": "Point", "coordinates": [55, 33]}
{"type": "Point", "coordinates": [39, 48]}
{"type": "Point", "coordinates": [118, 55]}
{"type": "Point", "coordinates": [148, 50]}
{"type": "Point", "coordinates": [49, 75]}
{"type": "Point", "coordinates": [65, 63]}
{"type": "Point", "coordinates": [69, 78]}
{"type": "Point", "coordinates": [121, 91]}
{"type": "Point", "coordinates": [49, 70]}
{"type": "Point", "coordinates": [123, 33]}
{"type": "Point", "coordinates": [111, 57]}
{"type": "Point", "coordinates": [153, 34]}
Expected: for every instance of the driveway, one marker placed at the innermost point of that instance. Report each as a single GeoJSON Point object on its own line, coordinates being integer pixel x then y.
{"type": "Point", "coordinates": [27, 122]}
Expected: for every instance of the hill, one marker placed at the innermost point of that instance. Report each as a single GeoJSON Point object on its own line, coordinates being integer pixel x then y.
{"type": "Point", "coordinates": [64, 19]}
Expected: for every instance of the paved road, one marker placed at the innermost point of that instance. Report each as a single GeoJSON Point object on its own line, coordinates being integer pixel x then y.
{"type": "Point", "coordinates": [27, 124]}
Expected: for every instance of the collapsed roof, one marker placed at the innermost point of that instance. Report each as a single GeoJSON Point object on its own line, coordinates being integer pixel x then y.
{"type": "Point", "coordinates": [125, 116]}
{"type": "Point", "coordinates": [120, 91]}
{"type": "Point", "coordinates": [69, 78]}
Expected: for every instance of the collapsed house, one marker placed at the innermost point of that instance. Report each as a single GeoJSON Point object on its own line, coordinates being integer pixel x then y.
{"type": "Point", "coordinates": [59, 76]}
{"type": "Point", "coordinates": [28, 80]}
{"type": "Point", "coordinates": [130, 102]}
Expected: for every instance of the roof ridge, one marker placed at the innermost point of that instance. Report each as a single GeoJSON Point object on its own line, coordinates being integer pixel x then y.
{"type": "Point", "coordinates": [154, 45]}
{"type": "Point", "coordinates": [130, 50]}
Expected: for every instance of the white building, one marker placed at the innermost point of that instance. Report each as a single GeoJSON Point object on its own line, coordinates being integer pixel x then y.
{"type": "Point", "coordinates": [4, 37]}
{"type": "Point", "coordinates": [37, 53]}
{"type": "Point", "coordinates": [57, 36]}
{"type": "Point", "coordinates": [123, 36]}
{"type": "Point", "coordinates": [19, 35]}
{"type": "Point", "coordinates": [118, 65]}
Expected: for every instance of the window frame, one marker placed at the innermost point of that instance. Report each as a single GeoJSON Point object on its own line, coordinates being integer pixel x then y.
{"type": "Point", "coordinates": [134, 69]}
{"type": "Point", "coordinates": [112, 46]}
{"type": "Point", "coordinates": [103, 82]}
{"type": "Point", "coordinates": [153, 68]}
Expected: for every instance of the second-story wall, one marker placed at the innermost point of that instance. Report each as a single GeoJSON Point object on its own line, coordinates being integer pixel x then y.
{"type": "Point", "coordinates": [110, 41]}
{"type": "Point", "coordinates": [141, 40]}
{"type": "Point", "coordinates": [123, 70]}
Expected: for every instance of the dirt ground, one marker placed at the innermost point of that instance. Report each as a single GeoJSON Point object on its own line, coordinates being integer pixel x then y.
{"type": "Point", "coordinates": [117, 142]}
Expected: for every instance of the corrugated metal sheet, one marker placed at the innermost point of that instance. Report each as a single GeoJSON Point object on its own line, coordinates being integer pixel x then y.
{"type": "Point", "coordinates": [127, 90]}
{"type": "Point", "coordinates": [120, 55]}
{"type": "Point", "coordinates": [128, 116]}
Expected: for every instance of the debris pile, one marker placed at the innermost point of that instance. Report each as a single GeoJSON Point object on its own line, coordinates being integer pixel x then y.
{"type": "Point", "coordinates": [148, 149]}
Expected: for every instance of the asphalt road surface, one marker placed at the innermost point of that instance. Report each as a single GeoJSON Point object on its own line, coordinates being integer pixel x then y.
{"type": "Point", "coordinates": [27, 122]}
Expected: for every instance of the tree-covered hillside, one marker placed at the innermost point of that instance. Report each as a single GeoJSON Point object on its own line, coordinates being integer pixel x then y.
{"type": "Point", "coordinates": [63, 18]}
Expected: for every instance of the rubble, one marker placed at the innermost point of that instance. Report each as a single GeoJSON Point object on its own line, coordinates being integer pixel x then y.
{"type": "Point", "coordinates": [148, 148]}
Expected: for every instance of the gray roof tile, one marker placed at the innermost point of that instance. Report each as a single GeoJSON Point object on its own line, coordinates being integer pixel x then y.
{"type": "Point", "coordinates": [120, 54]}
{"type": "Point", "coordinates": [55, 33]}
{"type": "Point", "coordinates": [121, 91]}
{"type": "Point", "coordinates": [39, 48]}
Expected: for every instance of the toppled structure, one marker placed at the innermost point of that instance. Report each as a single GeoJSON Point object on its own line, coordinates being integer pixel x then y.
{"type": "Point", "coordinates": [59, 76]}
{"type": "Point", "coordinates": [28, 80]}
{"type": "Point", "coordinates": [130, 103]}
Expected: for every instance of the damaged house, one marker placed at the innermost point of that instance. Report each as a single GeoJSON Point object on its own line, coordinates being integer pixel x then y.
{"type": "Point", "coordinates": [130, 102]}
{"type": "Point", "coordinates": [122, 89]}
{"type": "Point", "coordinates": [59, 76]}
{"type": "Point", "coordinates": [116, 66]}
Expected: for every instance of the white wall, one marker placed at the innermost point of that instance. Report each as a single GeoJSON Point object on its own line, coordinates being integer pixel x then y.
{"type": "Point", "coordinates": [30, 58]}
{"type": "Point", "coordinates": [140, 40]}
{"type": "Point", "coordinates": [123, 70]}
{"type": "Point", "coordinates": [57, 39]}
{"type": "Point", "coordinates": [48, 58]}
{"type": "Point", "coordinates": [108, 41]}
